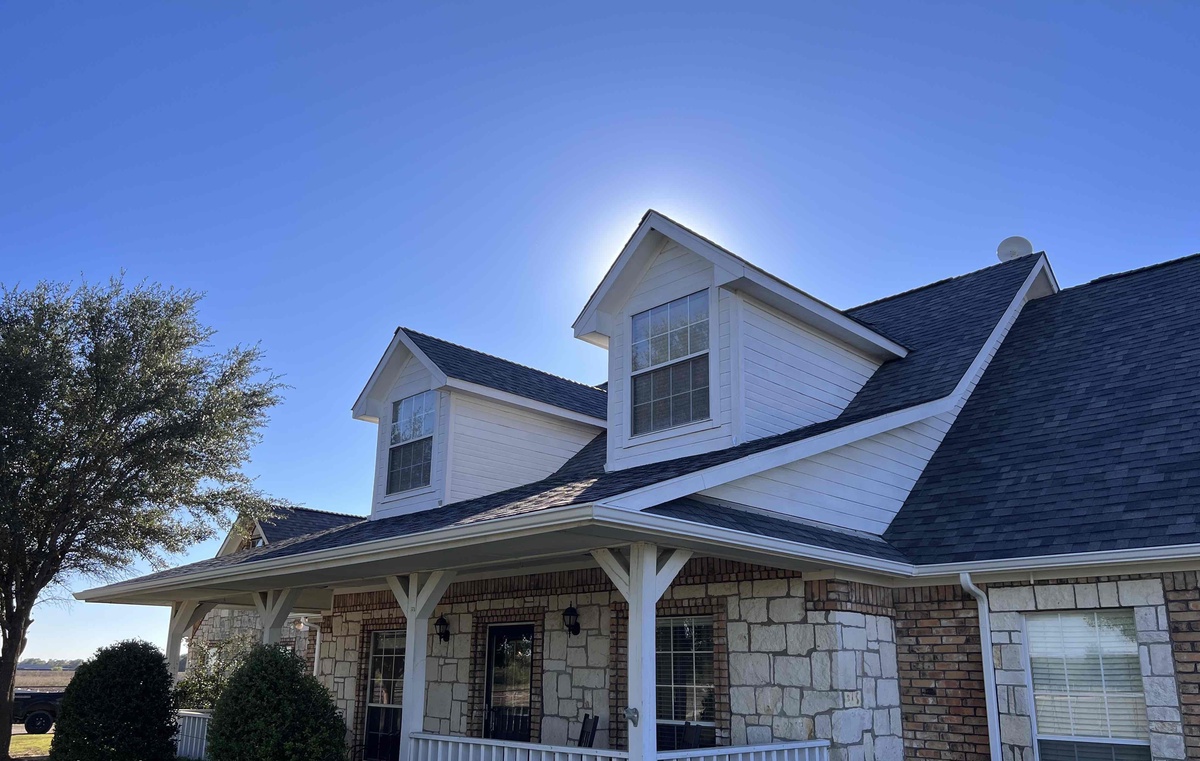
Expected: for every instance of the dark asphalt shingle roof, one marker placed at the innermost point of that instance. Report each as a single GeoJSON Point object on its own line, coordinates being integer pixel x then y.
{"type": "Point", "coordinates": [501, 374]}
{"type": "Point", "coordinates": [789, 530]}
{"type": "Point", "coordinates": [1082, 435]}
{"type": "Point", "coordinates": [967, 307]}
{"type": "Point", "coordinates": [300, 521]}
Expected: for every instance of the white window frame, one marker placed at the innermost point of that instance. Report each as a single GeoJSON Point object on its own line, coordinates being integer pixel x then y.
{"type": "Point", "coordinates": [677, 722]}
{"type": "Point", "coordinates": [712, 352]}
{"type": "Point", "coordinates": [391, 444]}
{"type": "Point", "coordinates": [368, 705]}
{"type": "Point", "coordinates": [1033, 721]}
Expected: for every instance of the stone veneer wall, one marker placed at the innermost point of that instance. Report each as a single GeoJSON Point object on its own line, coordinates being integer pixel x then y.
{"type": "Point", "coordinates": [941, 674]}
{"type": "Point", "coordinates": [225, 623]}
{"type": "Point", "coordinates": [1182, 594]}
{"type": "Point", "coordinates": [1143, 594]}
{"type": "Point", "coordinates": [802, 662]}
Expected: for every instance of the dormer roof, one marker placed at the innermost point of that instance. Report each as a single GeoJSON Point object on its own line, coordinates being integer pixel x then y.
{"type": "Point", "coordinates": [475, 371]}
{"type": "Point", "coordinates": [594, 323]}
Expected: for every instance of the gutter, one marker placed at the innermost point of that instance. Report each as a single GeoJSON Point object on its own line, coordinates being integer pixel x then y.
{"type": "Point", "coordinates": [989, 666]}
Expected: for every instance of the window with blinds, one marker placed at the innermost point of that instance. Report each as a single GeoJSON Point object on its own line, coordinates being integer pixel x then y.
{"type": "Point", "coordinates": [1087, 686]}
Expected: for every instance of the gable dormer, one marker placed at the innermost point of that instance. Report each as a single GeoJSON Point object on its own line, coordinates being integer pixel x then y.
{"type": "Point", "coordinates": [455, 423]}
{"type": "Point", "coordinates": [707, 351]}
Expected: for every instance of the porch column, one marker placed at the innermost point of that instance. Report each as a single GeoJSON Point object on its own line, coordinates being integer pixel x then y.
{"type": "Point", "coordinates": [185, 614]}
{"type": "Point", "coordinates": [417, 595]}
{"type": "Point", "coordinates": [274, 606]}
{"type": "Point", "coordinates": [642, 581]}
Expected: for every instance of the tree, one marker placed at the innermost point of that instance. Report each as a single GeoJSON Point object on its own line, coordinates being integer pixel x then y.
{"type": "Point", "coordinates": [210, 665]}
{"type": "Point", "coordinates": [123, 435]}
{"type": "Point", "coordinates": [119, 707]}
{"type": "Point", "coordinates": [274, 710]}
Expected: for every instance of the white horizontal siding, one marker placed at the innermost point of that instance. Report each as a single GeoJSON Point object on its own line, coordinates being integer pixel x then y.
{"type": "Point", "coordinates": [793, 375]}
{"type": "Point", "coordinates": [861, 485]}
{"type": "Point", "coordinates": [413, 379]}
{"type": "Point", "coordinates": [675, 271]}
{"type": "Point", "coordinates": [495, 446]}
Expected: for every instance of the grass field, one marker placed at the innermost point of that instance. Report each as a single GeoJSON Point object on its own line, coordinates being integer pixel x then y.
{"type": "Point", "coordinates": [44, 680]}
{"type": "Point", "coordinates": [30, 746]}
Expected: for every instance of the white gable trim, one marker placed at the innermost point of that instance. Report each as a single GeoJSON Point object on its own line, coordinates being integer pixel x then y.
{"type": "Point", "coordinates": [594, 323]}
{"type": "Point", "coordinates": [749, 465]}
{"type": "Point", "coordinates": [362, 407]}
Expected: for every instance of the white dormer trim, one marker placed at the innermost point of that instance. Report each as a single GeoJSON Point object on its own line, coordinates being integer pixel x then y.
{"type": "Point", "coordinates": [1040, 282]}
{"type": "Point", "coordinates": [516, 400]}
{"type": "Point", "coordinates": [595, 322]}
{"type": "Point", "coordinates": [367, 406]}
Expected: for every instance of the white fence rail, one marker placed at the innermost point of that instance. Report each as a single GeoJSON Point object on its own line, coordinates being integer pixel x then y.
{"type": "Point", "coordinates": [429, 747]}
{"type": "Point", "coordinates": [192, 741]}
{"type": "Point", "coordinates": [443, 748]}
{"type": "Point", "coordinates": [810, 750]}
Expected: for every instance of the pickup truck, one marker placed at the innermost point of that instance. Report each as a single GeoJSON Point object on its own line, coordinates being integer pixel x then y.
{"type": "Point", "coordinates": [36, 710]}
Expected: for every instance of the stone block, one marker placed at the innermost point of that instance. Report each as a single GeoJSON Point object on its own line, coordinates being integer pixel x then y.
{"type": "Point", "coordinates": [741, 699]}
{"type": "Point", "coordinates": [854, 637]}
{"type": "Point", "coordinates": [845, 670]}
{"type": "Point", "coordinates": [822, 673]}
{"type": "Point", "coordinates": [1140, 592]}
{"type": "Point", "coordinates": [786, 610]}
{"type": "Point", "coordinates": [739, 636]}
{"type": "Point", "coordinates": [1160, 691]}
{"type": "Point", "coordinates": [1011, 598]}
{"type": "Point", "coordinates": [556, 645]}
{"type": "Point", "coordinates": [791, 728]}
{"type": "Point", "coordinates": [769, 700]}
{"type": "Point", "coordinates": [887, 692]}
{"type": "Point", "coordinates": [438, 699]}
{"type": "Point", "coordinates": [888, 748]}
{"type": "Point", "coordinates": [1055, 596]}
{"type": "Point", "coordinates": [767, 638]}
{"type": "Point", "coordinates": [770, 588]}
{"type": "Point", "coordinates": [749, 669]}
{"type": "Point", "coordinates": [1015, 730]}
{"type": "Point", "coordinates": [1163, 746]}
{"type": "Point", "coordinates": [758, 735]}
{"type": "Point", "coordinates": [792, 671]}
{"type": "Point", "coordinates": [1087, 596]}
{"type": "Point", "coordinates": [849, 724]}
{"type": "Point", "coordinates": [754, 611]}
{"type": "Point", "coordinates": [819, 701]}
{"type": "Point", "coordinates": [800, 639]}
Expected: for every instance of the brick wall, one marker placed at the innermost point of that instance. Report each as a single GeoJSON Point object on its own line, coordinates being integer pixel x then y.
{"type": "Point", "coordinates": [1182, 591]}
{"type": "Point", "coordinates": [941, 674]}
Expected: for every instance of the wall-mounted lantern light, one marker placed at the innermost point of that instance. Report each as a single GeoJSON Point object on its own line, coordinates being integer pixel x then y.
{"type": "Point", "coordinates": [571, 620]}
{"type": "Point", "coordinates": [442, 627]}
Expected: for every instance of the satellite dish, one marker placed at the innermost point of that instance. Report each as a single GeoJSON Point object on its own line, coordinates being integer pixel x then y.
{"type": "Point", "coordinates": [1014, 247]}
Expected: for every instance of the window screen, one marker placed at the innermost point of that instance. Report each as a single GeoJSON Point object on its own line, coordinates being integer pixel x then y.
{"type": "Point", "coordinates": [670, 364]}
{"type": "Point", "coordinates": [410, 458]}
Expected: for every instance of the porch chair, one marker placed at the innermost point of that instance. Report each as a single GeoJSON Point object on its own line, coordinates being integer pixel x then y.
{"type": "Point", "coordinates": [587, 731]}
{"type": "Point", "coordinates": [691, 736]}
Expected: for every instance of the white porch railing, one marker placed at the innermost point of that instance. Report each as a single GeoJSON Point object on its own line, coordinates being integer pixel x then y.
{"type": "Point", "coordinates": [809, 750]}
{"type": "Point", "coordinates": [429, 747]}
{"type": "Point", "coordinates": [192, 740]}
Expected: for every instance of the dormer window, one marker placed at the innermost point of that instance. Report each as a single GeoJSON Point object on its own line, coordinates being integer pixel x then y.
{"type": "Point", "coordinates": [410, 458]}
{"type": "Point", "coordinates": [670, 364]}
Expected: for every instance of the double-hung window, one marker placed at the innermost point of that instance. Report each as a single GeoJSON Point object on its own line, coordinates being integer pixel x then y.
{"type": "Point", "coordinates": [410, 458]}
{"type": "Point", "coordinates": [1087, 686]}
{"type": "Point", "coordinates": [686, 699]}
{"type": "Point", "coordinates": [670, 364]}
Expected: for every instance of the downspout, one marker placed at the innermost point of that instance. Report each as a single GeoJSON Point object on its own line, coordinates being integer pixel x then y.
{"type": "Point", "coordinates": [989, 666]}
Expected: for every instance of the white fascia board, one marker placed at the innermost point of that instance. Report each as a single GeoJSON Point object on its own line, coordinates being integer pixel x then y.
{"type": "Point", "coordinates": [731, 271]}
{"type": "Point", "coordinates": [690, 532]}
{"type": "Point", "coordinates": [1063, 562]}
{"type": "Point", "coordinates": [674, 488]}
{"type": "Point", "coordinates": [361, 410]}
{"type": "Point", "coordinates": [542, 521]}
{"type": "Point", "coordinates": [515, 400]}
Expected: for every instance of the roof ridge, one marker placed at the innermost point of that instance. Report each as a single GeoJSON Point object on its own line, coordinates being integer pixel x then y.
{"type": "Point", "coordinates": [1137, 271]}
{"type": "Point", "coordinates": [508, 361]}
{"type": "Point", "coordinates": [327, 512]}
{"type": "Point", "coordinates": [943, 281]}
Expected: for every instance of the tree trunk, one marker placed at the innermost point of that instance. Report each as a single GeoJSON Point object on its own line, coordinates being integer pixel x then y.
{"type": "Point", "coordinates": [10, 653]}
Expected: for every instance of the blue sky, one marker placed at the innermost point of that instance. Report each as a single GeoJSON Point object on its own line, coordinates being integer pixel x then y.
{"type": "Point", "coordinates": [327, 171]}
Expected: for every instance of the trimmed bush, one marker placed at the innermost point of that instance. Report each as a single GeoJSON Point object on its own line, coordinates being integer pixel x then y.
{"type": "Point", "coordinates": [118, 707]}
{"type": "Point", "coordinates": [272, 709]}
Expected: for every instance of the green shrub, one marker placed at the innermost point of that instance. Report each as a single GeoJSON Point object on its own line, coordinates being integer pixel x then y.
{"type": "Point", "coordinates": [272, 709]}
{"type": "Point", "coordinates": [210, 665]}
{"type": "Point", "coordinates": [118, 707]}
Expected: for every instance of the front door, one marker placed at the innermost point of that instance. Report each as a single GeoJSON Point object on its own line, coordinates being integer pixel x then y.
{"type": "Point", "coordinates": [509, 682]}
{"type": "Point", "coordinates": [385, 696]}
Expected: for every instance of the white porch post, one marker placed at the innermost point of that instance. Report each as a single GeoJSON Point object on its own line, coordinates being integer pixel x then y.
{"type": "Point", "coordinates": [642, 582]}
{"type": "Point", "coordinates": [184, 615]}
{"type": "Point", "coordinates": [274, 606]}
{"type": "Point", "coordinates": [417, 597]}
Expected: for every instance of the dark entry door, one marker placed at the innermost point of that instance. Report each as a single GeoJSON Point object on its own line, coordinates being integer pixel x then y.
{"type": "Point", "coordinates": [509, 682]}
